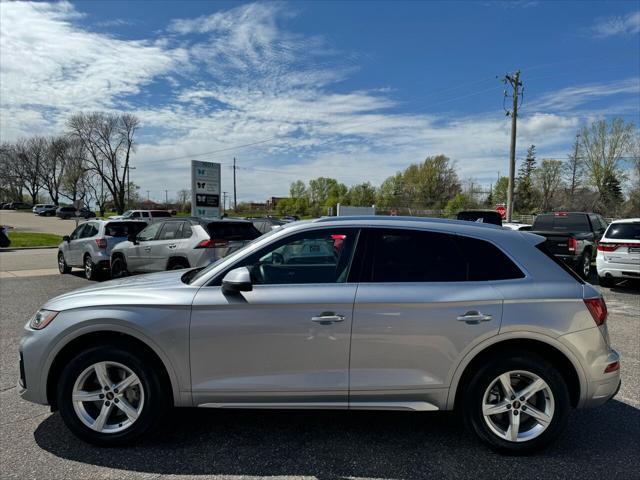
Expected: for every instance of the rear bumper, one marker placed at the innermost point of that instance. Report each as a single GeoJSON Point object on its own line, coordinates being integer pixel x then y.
{"type": "Point", "coordinates": [617, 270]}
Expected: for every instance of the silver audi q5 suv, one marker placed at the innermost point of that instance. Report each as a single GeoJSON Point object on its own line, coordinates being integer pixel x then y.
{"type": "Point", "coordinates": [375, 313]}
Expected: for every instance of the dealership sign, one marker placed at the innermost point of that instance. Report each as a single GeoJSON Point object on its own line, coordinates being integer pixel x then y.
{"type": "Point", "coordinates": [205, 189]}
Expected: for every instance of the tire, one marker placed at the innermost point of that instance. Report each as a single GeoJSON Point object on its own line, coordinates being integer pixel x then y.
{"type": "Point", "coordinates": [119, 268]}
{"type": "Point", "coordinates": [585, 265]}
{"type": "Point", "coordinates": [606, 281]}
{"type": "Point", "coordinates": [485, 391]}
{"type": "Point", "coordinates": [177, 264]}
{"type": "Point", "coordinates": [90, 269]}
{"type": "Point", "coordinates": [145, 400]}
{"type": "Point", "coordinates": [63, 268]}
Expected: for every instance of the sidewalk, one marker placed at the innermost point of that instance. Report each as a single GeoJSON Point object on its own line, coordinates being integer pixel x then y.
{"type": "Point", "coordinates": [28, 263]}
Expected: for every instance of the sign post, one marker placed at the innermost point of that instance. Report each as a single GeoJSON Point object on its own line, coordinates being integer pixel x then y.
{"type": "Point", "coordinates": [205, 189]}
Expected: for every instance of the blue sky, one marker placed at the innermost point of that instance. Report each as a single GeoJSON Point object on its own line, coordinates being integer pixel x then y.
{"type": "Point", "coordinates": [352, 90]}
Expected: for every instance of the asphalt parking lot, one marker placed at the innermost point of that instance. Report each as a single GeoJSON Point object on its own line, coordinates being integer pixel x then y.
{"type": "Point", "coordinates": [599, 443]}
{"type": "Point", "coordinates": [27, 221]}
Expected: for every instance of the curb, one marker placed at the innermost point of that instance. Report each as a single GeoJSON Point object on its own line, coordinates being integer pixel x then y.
{"type": "Point", "coordinates": [9, 249]}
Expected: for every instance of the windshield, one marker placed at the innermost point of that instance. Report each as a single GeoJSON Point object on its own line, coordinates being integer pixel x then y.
{"type": "Point", "coordinates": [127, 214]}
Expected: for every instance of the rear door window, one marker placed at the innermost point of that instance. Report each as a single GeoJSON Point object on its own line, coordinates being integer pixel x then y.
{"type": "Point", "coordinates": [624, 231]}
{"type": "Point", "coordinates": [420, 256]}
{"type": "Point", "coordinates": [171, 231]}
{"type": "Point", "coordinates": [415, 256]}
{"type": "Point", "coordinates": [150, 232]}
{"type": "Point", "coordinates": [89, 230]}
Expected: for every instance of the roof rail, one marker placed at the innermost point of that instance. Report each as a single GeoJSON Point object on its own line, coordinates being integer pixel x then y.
{"type": "Point", "coordinates": [348, 218]}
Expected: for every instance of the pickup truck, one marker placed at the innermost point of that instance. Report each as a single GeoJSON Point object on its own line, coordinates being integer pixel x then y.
{"type": "Point", "coordinates": [571, 236]}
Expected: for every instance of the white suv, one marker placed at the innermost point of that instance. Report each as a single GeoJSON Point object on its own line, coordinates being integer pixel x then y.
{"type": "Point", "coordinates": [148, 216]}
{"type": "Point", "coordinates": [619, 252]}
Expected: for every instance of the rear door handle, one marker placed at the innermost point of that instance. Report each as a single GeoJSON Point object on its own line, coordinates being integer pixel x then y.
{"type": "Point", "coordinates": [473, 317]}
{"type": "Point", "coordinates": [327, 318]}
{"type": "Point", "coordinates": [147, 249]}
{"type": "Point", "coordinates": [173, 245]}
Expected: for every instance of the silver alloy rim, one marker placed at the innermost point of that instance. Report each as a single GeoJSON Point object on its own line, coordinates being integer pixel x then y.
{"type": "Point", "coordinates": [518, 406]}
{"type": "Point", "coordinates": [108, 397]}
{"type": "Point", "coordinates": [88, 269]}
{"type": "Point", "coordinates": [61, 262]}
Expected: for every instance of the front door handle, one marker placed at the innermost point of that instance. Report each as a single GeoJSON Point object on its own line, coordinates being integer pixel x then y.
{"type": "Point", "coordinates": [173, 245]}
{"type": "Point", "coordinates": [147, 249]}
{"type": "Point", "coordinates": [473, 317]}
{"type": "Point", "coordinates": [327, 318]}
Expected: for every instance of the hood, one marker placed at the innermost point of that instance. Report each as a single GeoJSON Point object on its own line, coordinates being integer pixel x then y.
{"type": "Point", "coordinates": [156, 289]}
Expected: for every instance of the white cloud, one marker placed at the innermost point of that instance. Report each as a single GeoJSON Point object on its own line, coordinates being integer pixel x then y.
{"type": "Point", "coordinates": [572, 97]}
{"type": "Point", "coordinates": [239, 77]}
{"type": "Point", "coordinates": [52, 67]}
{"type": "Point", "coordinates": [617, 25]}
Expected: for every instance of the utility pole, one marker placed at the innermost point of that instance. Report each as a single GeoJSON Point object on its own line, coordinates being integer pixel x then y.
{"type": "Point", "coordinates": [166, 198]}
{"type": "Point", "coordinates": [224, 200]}
{"type": "Point", "coordinates": [575, 167]}
{"type": "Point", "coordinates": [515, 83]}
{"type": "Point", "coordinates": [235, 198]}
{"type": "Point", "coordinates": [127, 175]}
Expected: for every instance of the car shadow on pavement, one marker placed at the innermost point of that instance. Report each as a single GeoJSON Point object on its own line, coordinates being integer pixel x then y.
{"type": "Point", "coordinates": [598, 443]}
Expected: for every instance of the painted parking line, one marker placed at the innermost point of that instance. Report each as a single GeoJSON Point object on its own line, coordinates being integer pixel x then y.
{"type": "Point", "coordinates": [40, 272]}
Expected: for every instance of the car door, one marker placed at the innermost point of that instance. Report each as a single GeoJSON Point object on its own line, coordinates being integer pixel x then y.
{"type": "Point", "coordinates": [418, 307]}
{"type": "Point", "coordinates": [72, 251]}
{"type": "Point", "coordinates": [166, 246]}
{"type": "Point", "coordinates": [139, 255]}
{"type": "Point", "coordinates": [286, 340]}
{"type": "Point", "coordinates": [87, 242]}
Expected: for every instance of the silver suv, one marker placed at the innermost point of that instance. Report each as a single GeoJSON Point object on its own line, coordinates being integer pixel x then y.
{"type": "Point", "coordinates": [179, 243]}
{"type": "Point", "coordinates": [373, 313]}
{"type": "Point", "coordinates": [89, 245]}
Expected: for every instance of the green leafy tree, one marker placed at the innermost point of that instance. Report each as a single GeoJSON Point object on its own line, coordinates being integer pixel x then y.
{"type": "Point", "coordinates": [526, 195]}
{"type": "Point", "coordinates": [548, 177]}
{"type": "Point", "coordinates": [461, 201]}
{"type": "Point", "coordinates": [362, 195]}
{"type": "Point", "coordinates": [500, 190]}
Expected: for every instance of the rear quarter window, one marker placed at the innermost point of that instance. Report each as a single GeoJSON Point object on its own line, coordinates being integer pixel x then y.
{"type": "Point", "coordinates": [486, 262]}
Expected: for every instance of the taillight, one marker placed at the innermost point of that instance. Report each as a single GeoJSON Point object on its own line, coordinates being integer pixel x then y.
{"type": "Point", "coordinates": [101, 243]}
{"type": "Point", "coordinates": [212, 243]}
{"type": "Point", "coordinates": [612, 247]}
{"type": "Point", "coordinates": [612, 367]}
{"type": "Point", "coordinates": [572, 244]}
{"type": "Point", "coordinates": [598, 309]}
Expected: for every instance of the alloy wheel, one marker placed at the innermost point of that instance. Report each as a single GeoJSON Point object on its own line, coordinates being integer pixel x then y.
{"type": "Point", "coordinates": [518, 406]}
{"type": "Point", "coordinates": [586, 266]}
{"type": "Point", "coordinates": [62, 265]}
{"type": "Point", "coordinates": [108, 397]}
{"type": "Point", "coordinates": [88, 268]}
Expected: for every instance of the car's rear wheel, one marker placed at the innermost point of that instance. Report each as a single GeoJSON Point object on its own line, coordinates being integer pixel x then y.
{"type": "Point", "coordinates": [90, 268]}
{"type": "Point", "coordinates": [110, 396]}
{"type": "Point", "coordinates": [517, 403]}
{"type": "Point", "coordinates": [585, 265]}
{"type": "Point", "coordinates": [118, 268]}
{"type": "Point", "coordinates": [62, 264]}
{"type": "Point", "coordinates": [177, 264]}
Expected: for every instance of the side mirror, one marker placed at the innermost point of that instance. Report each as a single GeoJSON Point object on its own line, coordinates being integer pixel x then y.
{"type": "Point", "coordinates": [133, 238]}
{"type": "Point", "coordinates": [237, 280]}
{"type": "Point", "coordinates": [66, 238]}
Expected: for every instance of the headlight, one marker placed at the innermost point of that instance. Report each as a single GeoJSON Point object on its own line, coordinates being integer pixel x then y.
{"type": "Point", "coordinates": [42, 319]}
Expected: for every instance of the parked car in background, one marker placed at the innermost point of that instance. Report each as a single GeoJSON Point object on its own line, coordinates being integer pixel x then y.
{"type": "Point", "coordinates": [47, 210]}
{"type": "Point", "coordinates": [180, 243]}
{"type": "Point", "coordinates": [18, 206]}
{"type": "Point", "coordinates": [347, 313]}
{"type": "Point", "coordinates": [618, 254]}
{"type": "Point", "coordinates": [5, 241]}
{"type": "Point", "coordinates": [481, 216]}
{"type": "Point", "coordinates": [148, 216]}
{"type": "Point", "coordinates": [522, 227]}
{"type": "Point", "coordinates": [89, 246]}
{"type": "Point", "coordinates": [70, 212]}
{"type": "Point", "coordinates": [266, 224]}
{"type": "Point", "coordinates": [37, 207]}
{"type": "Point", "coordinates": [572, 237]}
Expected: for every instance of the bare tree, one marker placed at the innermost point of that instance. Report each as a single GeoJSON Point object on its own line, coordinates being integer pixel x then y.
{"type": "Point", "coordinates": [603, 145]}
{"type": "Point", "coordinates": [574, 171]}
{"type": "Point", "coordinates": [53, 166]}
{"type": "Point", "coordinates": [73, 184]}
{"type": "Point", "coordinates": [109, 141]}
{"type": "Point", "coordinates": [548, 177]}
{"type": "Point", "coordinates": [29, 160]}
{"type": "Point", "coordinates": [184, 198]}
{"type": "Point", "coordinates": [10, 183]}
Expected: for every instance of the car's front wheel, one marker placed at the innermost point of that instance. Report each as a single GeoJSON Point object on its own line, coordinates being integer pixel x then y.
{"type": "Point", "coordinates": [518, 403]}
{"type": "Point", "coordinates": [62, 264]}
{"type": "Point", "coordinates": [118, 268]}
{"type": "Point", "coordinates": [109, 396]}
